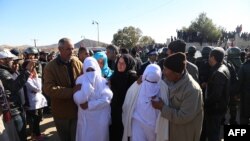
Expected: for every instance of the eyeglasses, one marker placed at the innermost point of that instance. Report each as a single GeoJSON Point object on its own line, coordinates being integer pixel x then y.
{"type": "Point", "coordinates": [68, 49]}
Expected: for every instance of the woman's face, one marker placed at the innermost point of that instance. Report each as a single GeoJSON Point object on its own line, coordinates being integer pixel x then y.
{"type": "Point", "coordinates": [121, 65]}
{"type": "Point", "coordinates": [101, 63]}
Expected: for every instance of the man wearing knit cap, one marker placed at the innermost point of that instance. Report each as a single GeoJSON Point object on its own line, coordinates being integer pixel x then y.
{"type": "Point", "coordinates": [217, 95]}
{"type": "Point", "coordinates": [180, 46]}
{"type": "Point", "coordinates": [185, 109]}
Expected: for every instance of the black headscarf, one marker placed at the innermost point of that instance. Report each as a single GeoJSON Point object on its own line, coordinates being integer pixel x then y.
{"type": "Point", "coordinates": [121, 81]}
{"type": "Point", "coordinates": [130, 63]}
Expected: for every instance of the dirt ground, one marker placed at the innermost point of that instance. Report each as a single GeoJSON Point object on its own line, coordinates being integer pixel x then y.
{"type": "Point", "coordinates": [48, 128]}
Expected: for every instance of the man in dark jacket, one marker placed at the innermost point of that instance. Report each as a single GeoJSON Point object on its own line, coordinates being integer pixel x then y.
{"type": "Point", "coordinates": [191, 54]}
{"type": "Point", "coordinates": [152, 59]}
{"type": "Point", "coordinates": [204, 68]}
{"type": "Point", "coordinates": [217, 96]}
{"type": "Point", "coordinates": [112, 54]}
{"type": "Point", "coordinates": [4, 111]}
{"type": "Point", "coordinates": [138, 61]}
{"type": "Point", "coordinates": [13, 88]}
{"type": "Point", "coordinates": [180, 46]}
{"type": "Point", "coordinates": [233, 63]}
{"type": "Point", "coordinates": [162, 57]}
{"type": "Point", "coordinates": [244, 87]}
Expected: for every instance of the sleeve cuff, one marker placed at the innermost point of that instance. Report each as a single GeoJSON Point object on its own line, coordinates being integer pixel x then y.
{"type": "Point", "coordinates": [164, 111]}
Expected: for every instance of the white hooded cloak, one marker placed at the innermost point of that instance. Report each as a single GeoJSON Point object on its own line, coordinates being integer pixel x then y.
{"type": "Point", "coordinates": [93, 122]}
{"type": "Point", "coordinates": [137, 108]}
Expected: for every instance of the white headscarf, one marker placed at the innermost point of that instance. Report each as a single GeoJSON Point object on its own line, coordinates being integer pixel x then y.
{"type": "Point", "coordinates": [93, 78]}
{"type": "Point", "coordinates": [144, 112]}
{"type": "Point", "coordinates": [150, 81]}
{"type": "Point", "coordinates": [91, 62]}
{"type": "Point", "coordinates": [91, 81]}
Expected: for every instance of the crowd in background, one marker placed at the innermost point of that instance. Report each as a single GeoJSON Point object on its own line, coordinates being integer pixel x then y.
{"type": "Point", "coordinates": [121, 94]}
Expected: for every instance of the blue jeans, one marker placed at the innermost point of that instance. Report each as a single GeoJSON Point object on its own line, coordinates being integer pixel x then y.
{"type": "Point", "coordinates": [20, 124]}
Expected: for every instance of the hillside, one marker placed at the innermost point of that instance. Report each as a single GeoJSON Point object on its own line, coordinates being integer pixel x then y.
{"type": "Point", "coordinates": [53, 47]}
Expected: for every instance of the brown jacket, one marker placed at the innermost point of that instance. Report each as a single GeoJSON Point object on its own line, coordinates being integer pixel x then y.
{"type": "Point", "coordinates": [185, 110]}
{"type": "Point", "coordinates": [58, 86]}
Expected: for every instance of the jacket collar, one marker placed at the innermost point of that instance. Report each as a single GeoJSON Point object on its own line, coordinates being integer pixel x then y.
{"type": "Point", "coordinates": [215, 67]}
{"type": "Point", "coordinates": [6, 68]}
{"type": "Point", "coordinates": [61, 62]}
{"type": "Point", "coordinates": [182, 81]}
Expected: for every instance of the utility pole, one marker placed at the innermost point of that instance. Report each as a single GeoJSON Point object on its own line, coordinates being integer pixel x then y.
{"type": "Point", "coordinates": [35, 40]}
{"type": "Point", "coordinates": [95, 22]}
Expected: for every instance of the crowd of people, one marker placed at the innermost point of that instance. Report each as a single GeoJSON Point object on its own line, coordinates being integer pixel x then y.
{"type": "Point", "coordinates": [115, 96]}
{"type": "Point", "coordinates": [194, 36]}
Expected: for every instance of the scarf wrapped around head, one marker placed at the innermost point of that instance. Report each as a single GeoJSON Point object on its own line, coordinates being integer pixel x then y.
{"type": "Point", "coordinates": [128, 77]}
{"type": "Point", "coordinates": [106, 71]}
{"type": "Point", "coordinates": [150, 80]}
{"type": "Point", "coordinates": [92, 81]}
{"type": "Point", "coordinates": [130, 64]}
{"type": "Point", "coordinates": [94, 78]}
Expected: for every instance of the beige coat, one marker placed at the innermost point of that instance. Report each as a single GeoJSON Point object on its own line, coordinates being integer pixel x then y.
{"type": "Point", "coordinates": [185, 113]}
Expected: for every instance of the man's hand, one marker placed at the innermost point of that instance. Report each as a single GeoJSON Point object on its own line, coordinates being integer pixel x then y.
{"type": "Point", "coordinates": [34, 73]}
{"type": "Point", "coordinates": [84, 106]}
{"type": "Point", "coordinates": [139, 80]}
{"type": "Point", "coordinates": [31, 65]}
{"type": "Point", "coordinates": [157, 104]}
{"type": "Point", "coordinates": [77, 88]}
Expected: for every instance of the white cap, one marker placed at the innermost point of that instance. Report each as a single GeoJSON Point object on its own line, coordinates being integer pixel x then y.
{"type": "Point", "coordinates": [5, 53]}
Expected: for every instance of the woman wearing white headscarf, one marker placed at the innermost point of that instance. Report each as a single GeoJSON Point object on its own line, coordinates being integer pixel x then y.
{"type": "Point", "coordinates": [93, 102]}
{"type": "Point", "coordinates": [141, 121]}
